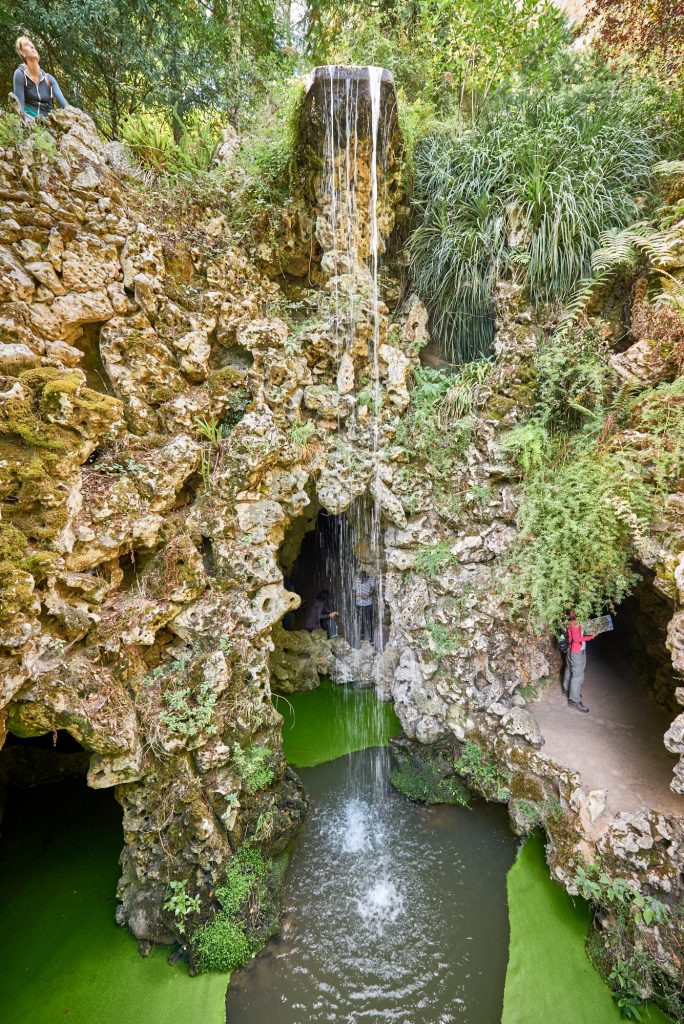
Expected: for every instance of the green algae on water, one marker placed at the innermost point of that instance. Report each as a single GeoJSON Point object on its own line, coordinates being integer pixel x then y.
{"type": "Point", "coordinates": [331, 721]}
{"type": "Point", "coordinates": [550, 977]}
{"type": "Point", "coordinates": [63, 957]}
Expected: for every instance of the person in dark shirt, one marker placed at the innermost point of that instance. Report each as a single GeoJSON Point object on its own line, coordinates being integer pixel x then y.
{"type": "Point", "coordinates": [321, 615]}
{"type": "Point", "coordinates": [36, 90]}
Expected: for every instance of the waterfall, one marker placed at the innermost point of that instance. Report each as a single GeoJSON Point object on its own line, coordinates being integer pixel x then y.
{"type": "Point", "coordinates": [352, 107]}
{"type": "Point", "coordinates": [375, 85]}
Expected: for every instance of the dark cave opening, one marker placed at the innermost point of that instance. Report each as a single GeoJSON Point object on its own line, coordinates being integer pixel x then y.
{"type": "Point", "coordinates": [640, 633]}
{"type": "Point", "coordinates": [326, 554]}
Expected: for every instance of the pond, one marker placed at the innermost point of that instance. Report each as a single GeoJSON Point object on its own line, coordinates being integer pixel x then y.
{"type": "Point", "coordinates": [393, 911]}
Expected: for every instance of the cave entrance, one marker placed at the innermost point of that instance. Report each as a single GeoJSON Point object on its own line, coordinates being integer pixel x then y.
{"type": "Point", "coordinates": [325, 554]}
{"type": "Point", "coordinates": [629, 688]}
{"type": "Point", "coordinates": [59, 866]}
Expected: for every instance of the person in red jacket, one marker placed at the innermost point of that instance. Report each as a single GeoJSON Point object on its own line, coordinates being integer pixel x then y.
{"type": "Point", "coordinates": [575, 664]}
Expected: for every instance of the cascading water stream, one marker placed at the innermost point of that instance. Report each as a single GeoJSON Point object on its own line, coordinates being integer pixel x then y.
{"type": "Point", "coordinates": [376, 928]}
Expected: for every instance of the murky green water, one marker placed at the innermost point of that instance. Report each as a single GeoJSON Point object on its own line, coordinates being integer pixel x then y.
{"type": "Point", "coordinates": [394, 912]}
{"type": "Point", "coordinates": [63, 957]}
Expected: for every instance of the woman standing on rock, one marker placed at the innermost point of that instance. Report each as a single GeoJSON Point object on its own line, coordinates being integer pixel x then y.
{"type": "Point", "coordinates": [33, 87]}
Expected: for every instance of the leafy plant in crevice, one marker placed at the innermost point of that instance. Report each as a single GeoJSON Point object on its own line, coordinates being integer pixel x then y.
{"type": "Point", "coordinates": [422, 433]}
{"type": "Point", "coordinates": [442, 641]}
{"type": "Point", "coordinates": [622, 952]}
{"type": "Point", "coordinates": [483, 773]}
{"type": "Point", "coordinates": [433, 558]}
{"type": "Point", "coordinates": [254, 767]}
{"type": "Point", "coordinates": [181, 903]}
{"type": "Point", "coordinates": [528, 192]}
{"type": "Point", "coordinates": [247, 913]}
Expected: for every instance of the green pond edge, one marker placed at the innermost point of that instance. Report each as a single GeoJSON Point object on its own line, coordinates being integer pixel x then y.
{"type": "Point", "coordinates": [64, 958]}
{"type": "Point", "coordinates": [549, 975]}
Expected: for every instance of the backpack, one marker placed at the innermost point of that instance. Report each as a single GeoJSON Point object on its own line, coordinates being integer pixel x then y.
{"type": "Point", "coordinates": [564, 643]}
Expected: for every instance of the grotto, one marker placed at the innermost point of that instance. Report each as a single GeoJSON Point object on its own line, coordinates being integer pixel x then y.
{"type": "Point", "coordinates": [332, 349]}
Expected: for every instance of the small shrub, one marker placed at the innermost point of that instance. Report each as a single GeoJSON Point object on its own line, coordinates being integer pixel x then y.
{"type": "Point", "coordinates": [474, 765]}
{"type": "Point", "coordinates": [181, 903]}
{"type": "Point", "coordinates": [253, 766]}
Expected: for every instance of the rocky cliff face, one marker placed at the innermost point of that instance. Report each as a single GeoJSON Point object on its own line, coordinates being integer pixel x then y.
{"type": "Point", "coordinates": [162, 427]}
{"type": "Point", "coordinates": [168, 428]}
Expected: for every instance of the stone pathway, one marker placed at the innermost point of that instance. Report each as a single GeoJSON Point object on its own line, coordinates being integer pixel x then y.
{"type": "Point", "coordinates": [619, 746]}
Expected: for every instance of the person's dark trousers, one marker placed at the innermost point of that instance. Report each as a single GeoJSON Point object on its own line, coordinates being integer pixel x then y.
{"type": "Point", "coordinates": [365, 616]}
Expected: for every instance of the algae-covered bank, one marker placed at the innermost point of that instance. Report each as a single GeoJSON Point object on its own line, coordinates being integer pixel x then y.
{"type": "Point", "coordinates": [63, 956]}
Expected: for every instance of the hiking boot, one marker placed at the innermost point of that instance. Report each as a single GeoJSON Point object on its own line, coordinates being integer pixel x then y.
{"type": "Point", "coordinates": [577, 705]}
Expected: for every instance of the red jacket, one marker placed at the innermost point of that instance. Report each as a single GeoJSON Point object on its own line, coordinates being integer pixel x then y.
{"type": "Point", "coordinates": [576, 636]}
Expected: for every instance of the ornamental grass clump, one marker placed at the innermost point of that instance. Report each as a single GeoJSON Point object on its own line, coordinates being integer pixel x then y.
{"type": "Point", "coordinates": [527, 191]}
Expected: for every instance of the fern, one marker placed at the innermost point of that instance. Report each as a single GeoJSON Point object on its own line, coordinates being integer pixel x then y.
{"type": "Point", "coordinates": [621, 249]}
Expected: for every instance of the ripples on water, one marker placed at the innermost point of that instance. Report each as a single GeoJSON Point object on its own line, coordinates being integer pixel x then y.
{"type": "Point", "coordinates": [394, 912]}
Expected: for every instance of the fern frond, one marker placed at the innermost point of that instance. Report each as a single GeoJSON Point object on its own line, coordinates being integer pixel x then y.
{"type": "Point", "coordinates": [669, 168]}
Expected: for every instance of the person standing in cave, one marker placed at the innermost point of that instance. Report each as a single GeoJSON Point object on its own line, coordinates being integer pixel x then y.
{"type": "Point", "coordinates": [35, 90]}
{"type": "Point", "coordinates": [364, 588]}
{"type": "Point", "coordinates": [575, 664]}
{"type": "Point", "coordinates": [321, 616]}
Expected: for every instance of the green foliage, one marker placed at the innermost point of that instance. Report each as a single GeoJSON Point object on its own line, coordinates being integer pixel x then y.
{"type": "Point", "coordinates": [421, 431]}
{"type": "Point", "coordinates": [210, 429]}
{"type": "Point", "coordinates": [482, 773]}
{"type": "Point", "coordinates": [246, 915]}
{"type": "Point", "coordinates": [574, 381]}
{"type": "Point", "coordinates": [181, 903]}
{"type": "Point", "coordinates": [576, 520]}
{"type": "Point", "coordinates": [621, 894]}
{"type": "Point", "coordinates": [190, 710]}
{"type": "Point", "coordinates": [301, 434]}
{"type": "Point", "coordinates": [477, 45]}
{"type": "Point", "coordinates": [11, 129]}
{"type": "Point", "coordinates": [253, 765]}
{"type": "Point", "coordinates": [443, 640]}
{"type": "Point", "coordinates": [114, 58]}
{"type": "Point", "coordinates": [150, 135]}
{"type": "Point", "coordinates": [452, 51]}
{"type": "Point", "coordinates": [265, 175]}
{"type": "Point", "coordinates": [586, 499]}
{"type": "Point", "coordinates": [527, 191]}
{"type": "Point", "coordinates": [433, 558]}
{"type": "Point", "coordinates": [621, 952]}
{"type": "Point", "coordinates": [423, 780]}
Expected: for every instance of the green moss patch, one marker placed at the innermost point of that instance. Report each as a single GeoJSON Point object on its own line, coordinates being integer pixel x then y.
{"type": "Point", "coordinates": [248, 912]}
